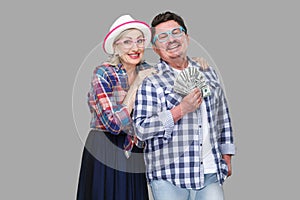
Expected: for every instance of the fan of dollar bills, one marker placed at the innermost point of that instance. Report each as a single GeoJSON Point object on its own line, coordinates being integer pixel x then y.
{"type": "Point", "coordinates": [190, 78]}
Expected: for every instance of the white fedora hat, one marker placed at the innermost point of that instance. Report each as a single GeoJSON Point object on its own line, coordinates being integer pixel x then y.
{"type": "Point", "coordinates": [121, 24]}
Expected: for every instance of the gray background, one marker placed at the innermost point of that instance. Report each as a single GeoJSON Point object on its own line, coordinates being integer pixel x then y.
{"type": "Point", "coordinates": [44, 44]}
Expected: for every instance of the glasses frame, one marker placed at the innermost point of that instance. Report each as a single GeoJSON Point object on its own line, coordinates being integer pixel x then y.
{"type": "Point", "coordinates": [132, 42]}
{"type": "Point", "coordinates": [170, 32]}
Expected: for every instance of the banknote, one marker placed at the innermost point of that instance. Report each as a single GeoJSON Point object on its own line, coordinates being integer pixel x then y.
{"type": "Point", "coordinates": [190, 78]}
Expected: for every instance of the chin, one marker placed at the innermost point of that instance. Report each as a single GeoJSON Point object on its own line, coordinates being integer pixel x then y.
{"type": "Point", "coordinates": [135, 62]}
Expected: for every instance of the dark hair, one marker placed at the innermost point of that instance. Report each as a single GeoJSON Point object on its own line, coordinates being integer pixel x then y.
{"type": "Point", "coordinates": [164, 17]}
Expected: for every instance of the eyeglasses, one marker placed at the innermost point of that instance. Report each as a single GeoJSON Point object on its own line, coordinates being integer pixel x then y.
{"type": "Point", "coordinates": [128, 43]}
{"type": "Point", "coordinates": [163, 37]}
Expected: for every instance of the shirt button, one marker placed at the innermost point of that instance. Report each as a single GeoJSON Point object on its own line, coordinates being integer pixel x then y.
{"type": "Point", "coordinates": [200, 126]}
{"type": "Point", "coordinates": [201, 145]}
{"type": "Point", "coordinates": [201, 163]}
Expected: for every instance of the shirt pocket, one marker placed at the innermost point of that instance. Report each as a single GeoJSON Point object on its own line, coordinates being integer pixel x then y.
{"type": "Point", "coordinates": [172, 98]}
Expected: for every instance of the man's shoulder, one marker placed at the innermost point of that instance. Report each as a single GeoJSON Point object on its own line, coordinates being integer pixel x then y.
{"type": "Point", "coordinates": [158, 79]}
{"type": "Point", "coordinates": [144, 65]}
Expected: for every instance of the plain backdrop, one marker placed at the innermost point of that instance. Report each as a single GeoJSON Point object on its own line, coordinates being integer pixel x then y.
{"type": "Point", "coordinates": [49, 48]}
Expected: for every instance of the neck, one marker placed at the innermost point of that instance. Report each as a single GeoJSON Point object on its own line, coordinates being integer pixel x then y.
{"type": "Point", "coordinates": [130, 69]}
{"type": "Point", "coordinates": [178, 63]}
{"type": "Point", "coordinates": [131, 73]}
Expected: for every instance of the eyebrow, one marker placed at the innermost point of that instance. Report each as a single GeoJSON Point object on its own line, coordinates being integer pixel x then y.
{"type": "Point", "coordinates": [132, 38]}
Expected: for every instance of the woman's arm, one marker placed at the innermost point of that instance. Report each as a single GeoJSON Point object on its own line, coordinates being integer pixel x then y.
{"type": "Point", "coordinates": [106, 97]}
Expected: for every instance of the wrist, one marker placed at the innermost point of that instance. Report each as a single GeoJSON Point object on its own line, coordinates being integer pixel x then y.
{"type": "Point", "coordinates": [176, 113]}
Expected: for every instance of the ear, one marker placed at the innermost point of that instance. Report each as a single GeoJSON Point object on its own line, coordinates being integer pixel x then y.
{"type": "Point", "coordinates": [155, 49]}
{"type": "Point", "coordinates": [188, 39]}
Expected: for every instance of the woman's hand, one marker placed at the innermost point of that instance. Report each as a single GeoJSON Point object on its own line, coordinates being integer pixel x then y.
{"type": "Point", "coordinates": [202, 62]}
{"type": "Point", "coordinates": [142, 75]}
{"type": "Point", "coordinates": [130, 97]}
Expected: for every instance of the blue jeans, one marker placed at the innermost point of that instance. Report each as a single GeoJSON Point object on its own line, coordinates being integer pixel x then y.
{"type": "Point", "coordinates": [164, 190]}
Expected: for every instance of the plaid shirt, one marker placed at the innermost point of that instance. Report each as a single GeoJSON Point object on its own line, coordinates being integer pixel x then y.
{"type": "Point", "coordinates": [173, 151]}
{"type": "Point", "coordinates": [109, 87]}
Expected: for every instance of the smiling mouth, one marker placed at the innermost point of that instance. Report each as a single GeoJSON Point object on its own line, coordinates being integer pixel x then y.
{"type": "Point", "coordinates": [134, 55]}
{"type": "Point", "coordinates": [173, 46]}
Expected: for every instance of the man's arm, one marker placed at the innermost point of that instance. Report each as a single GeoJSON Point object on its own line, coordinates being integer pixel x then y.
{"type": "Point", "coordinates": [152, 118]}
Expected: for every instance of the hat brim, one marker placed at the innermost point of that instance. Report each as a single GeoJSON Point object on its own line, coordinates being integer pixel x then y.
{"type": "Point", "coordinates": [110, 37]}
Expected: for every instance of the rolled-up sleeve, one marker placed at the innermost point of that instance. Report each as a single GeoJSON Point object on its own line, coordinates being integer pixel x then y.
{"type": "Point", "coordinates": [226, 139]}
{"type": "Point", "coordinates": [151, 118]}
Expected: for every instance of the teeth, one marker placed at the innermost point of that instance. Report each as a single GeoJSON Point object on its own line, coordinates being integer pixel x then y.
{"type": "Point", "coordinates": [172, 46]}
{"type": "Point", "coordinates": [134, 55]}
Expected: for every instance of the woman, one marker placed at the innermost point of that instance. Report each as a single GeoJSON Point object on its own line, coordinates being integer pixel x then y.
{"type": "Point", "coordinates": [112, 162]}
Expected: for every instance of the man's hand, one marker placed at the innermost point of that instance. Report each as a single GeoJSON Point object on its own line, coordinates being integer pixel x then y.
{"type": "Point", "coordinates": [191, 102]}
{"type": "Point", "coordinates": [227, 159]}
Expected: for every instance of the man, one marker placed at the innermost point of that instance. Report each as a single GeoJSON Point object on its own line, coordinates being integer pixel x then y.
{"type": "Point", "coordinates": [189, 140]}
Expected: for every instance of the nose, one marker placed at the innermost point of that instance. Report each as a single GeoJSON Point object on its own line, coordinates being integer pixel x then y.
{"type": "Point", "coordinates": [171, 38]}
{"type": "Point", "coordinates": [134, 45]}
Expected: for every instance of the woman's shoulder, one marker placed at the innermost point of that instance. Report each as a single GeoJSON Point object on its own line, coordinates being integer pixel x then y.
{"type": "Point", "coordinates": [104, 69]}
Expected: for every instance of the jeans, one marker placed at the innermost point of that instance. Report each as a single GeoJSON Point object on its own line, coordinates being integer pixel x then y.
{"type": "Point", "coordinates": [164, 190]}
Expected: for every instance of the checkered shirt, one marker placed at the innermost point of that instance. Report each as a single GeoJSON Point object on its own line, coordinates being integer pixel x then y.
{"type": "Point", "coordinates": [108, 89]}
{"type": "Point", "coordinates": [173, 151]}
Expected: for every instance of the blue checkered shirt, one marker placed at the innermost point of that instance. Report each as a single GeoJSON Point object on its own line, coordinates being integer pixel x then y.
{"type": "Point", "coordinates": [173, 151]}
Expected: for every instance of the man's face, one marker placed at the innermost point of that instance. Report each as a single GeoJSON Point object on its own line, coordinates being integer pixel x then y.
{"type": "Point", "coordinates": [171, 42]}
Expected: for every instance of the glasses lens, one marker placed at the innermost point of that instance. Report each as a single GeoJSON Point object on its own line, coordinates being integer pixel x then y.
{"type": "Point", "coordinates": [140, 42]}
{"type": "Point", "coordinates": [128, 43]}
{"type": "Point", "coordinates": [176, 32]}
{"type": "Point", "coordinates": [163, 36]}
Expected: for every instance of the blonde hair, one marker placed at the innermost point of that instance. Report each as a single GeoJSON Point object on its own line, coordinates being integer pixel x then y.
{"type": "Point", "coordinates": [114, 59]}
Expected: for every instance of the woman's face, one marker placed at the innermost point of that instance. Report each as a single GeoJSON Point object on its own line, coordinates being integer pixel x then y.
{"type": "Point", "coordinates": [130, 47]}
